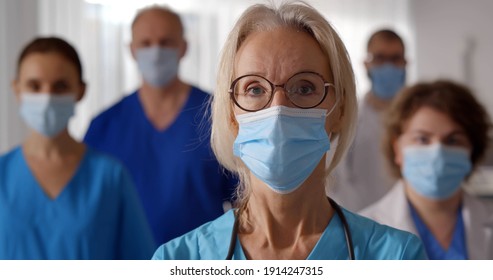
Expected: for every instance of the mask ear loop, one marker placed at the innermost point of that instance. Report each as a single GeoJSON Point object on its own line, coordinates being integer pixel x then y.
{"type": "Point", "coordinates": [333, 107]}
{"type": "Point", "coordinates": [337, 100]}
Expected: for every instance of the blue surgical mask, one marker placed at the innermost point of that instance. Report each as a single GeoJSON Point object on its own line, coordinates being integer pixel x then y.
{"type": "Point", "coordinates": [47, 113]}
{"type": "Point", "coordinates": [158, 66]}
{"type": "Point", "coordinates": [282, 146]}
{"type": "Point", "coordinates": [387, 80]}
{"type": "Point", "coordinates": [435, 171]}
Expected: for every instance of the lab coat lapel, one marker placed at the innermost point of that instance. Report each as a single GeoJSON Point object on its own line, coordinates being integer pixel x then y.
{"type": "Point", "coordinates": [399, 212]}
{"type": "Point", "coordinates": [478, 223]}
{"type": "Point", "coordinates": [392, 210]}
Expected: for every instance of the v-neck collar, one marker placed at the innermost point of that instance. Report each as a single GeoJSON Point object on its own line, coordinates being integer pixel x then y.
{"type": "Point", "coordinates": [457, 248]}
{"type": "Point", "coordinates": [149, 124]}
{"type": "Point", "coordinates": [331, 241]}
{"type": "Point", "coordinates": [37, 186]}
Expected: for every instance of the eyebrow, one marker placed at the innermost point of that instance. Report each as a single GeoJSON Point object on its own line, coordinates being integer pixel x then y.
{"type": "Point", "coordinates": [32, 80]}
{"type": "Point", "coordinates": [453, 132]}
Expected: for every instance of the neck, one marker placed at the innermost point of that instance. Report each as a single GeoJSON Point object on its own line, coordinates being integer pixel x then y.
{"type": "Point", "coordinates": [162, 105]}
{"type": "Point", "coordinates": [440, 216]}
{"type": "Point", "coordinates": [61, 145]}
{"type": "Point", "coordinates": [376, 102]}
{"type": "Point", "coordinates": [166, 93]}
{"type": "Point", "coordinates": [283, 219]}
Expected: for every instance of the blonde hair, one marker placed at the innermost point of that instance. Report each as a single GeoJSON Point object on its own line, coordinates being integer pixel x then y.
{"type": "Point", "coordinates": [299, 16]}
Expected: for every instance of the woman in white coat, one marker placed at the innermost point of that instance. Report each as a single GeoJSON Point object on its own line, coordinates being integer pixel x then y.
{"type": "Point", "coordinates": [436, 133]}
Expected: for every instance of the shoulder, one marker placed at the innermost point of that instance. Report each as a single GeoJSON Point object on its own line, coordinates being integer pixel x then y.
{"type": "Point", "coordinates": [117, 109]}
{"type": "Point", "coordinates": [477, 205]}
{"type": "Point", "coordinates": [377, 241]}
{"type": "Point", "coordinates": [198, 98]}
{"type": "Point", "coordinates": [199, 92]}
{"type": "Point", "coordinates": [207, 242]}
{"type": "Point", "coordinates": [99, 158]}
{"type": "Point", "coordinates": [383, 209]}
{"type": "Point", "coordinates": [103, 164]}
{"type": "Point", "coordinates": [8, 162]}
{"type": "Point", "coordinates": [10, 156]}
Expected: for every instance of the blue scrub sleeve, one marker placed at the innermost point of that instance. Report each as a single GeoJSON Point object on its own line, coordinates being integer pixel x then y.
{"type": "Point", "coordinates": [414, 249]}
{"type": "Point", "coordinates": [136, 240]}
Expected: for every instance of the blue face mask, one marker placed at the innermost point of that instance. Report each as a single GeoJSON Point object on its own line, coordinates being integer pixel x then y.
{"type": "Point", "coordinates": [282, 146]}
{"type": "Point", "coordinates": [46, 113]}
{"type": "Point", "coordinates": [435, 171]}
{"type": "Point", "coordinates": [157, 65]}
{"type": "Point", "coordinates": [387, 80]}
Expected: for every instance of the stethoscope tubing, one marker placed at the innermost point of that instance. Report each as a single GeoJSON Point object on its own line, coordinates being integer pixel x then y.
{"type": "Point", "coordinates": [337, 208]}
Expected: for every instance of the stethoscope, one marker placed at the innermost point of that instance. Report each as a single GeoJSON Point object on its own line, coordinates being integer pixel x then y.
{"type": "Point", "coordinates": [337, 208]}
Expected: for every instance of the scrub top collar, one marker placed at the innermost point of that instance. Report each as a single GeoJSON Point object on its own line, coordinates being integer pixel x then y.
{"type": "Point", "coordinates": [331, 244]}
{"type": "Point", "coordinates": [457, 249]}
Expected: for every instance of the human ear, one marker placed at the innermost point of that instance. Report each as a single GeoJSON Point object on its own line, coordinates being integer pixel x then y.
{"type": "Point", "coordinates": [16, 89]}
{"type": "Point", "coordinates": [81, 92]}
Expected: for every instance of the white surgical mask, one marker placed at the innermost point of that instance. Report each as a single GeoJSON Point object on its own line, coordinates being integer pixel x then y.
{"type": "Point", "coordinates": [47, 113]}
{"type": "Point", "coordinates": [158, 66]}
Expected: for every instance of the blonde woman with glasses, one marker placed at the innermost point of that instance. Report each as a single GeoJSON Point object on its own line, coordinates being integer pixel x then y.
{"type": "Point", "coordinates": [285, 92]}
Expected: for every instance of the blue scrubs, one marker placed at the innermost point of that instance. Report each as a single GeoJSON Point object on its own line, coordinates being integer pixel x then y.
{"type": "Point", "coordinates": [180, 183]}
{"type": "Point", "coordinates": [96, 216]}
{"type": "Point", "coordinates": [370, 240]}
{"type": "Point", "coordinates": [457, 249]}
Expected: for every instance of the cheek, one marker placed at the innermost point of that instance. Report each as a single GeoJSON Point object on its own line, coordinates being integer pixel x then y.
{"type": "Point", "coordinates": [398, 157]}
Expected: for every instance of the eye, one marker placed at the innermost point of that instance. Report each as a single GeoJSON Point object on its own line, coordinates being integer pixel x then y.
{"type": "Point", "coordinates": [165, 43]}
{"type": "Point", "coordinates": [33, 86]}
{"type": "Point", "coordinates": [145, 43]}
{"type": "Point", "coordinates": [421, 139]}
{"type": "Point", "coordinates": [396, 59]}
{"type": "Point", "coordinates": [255, 90]}
{"type": "Point", "coordinates": [60, 87]}
{"type": "Point", "coordinates": [378, 59]}
{"type": "Point", "coordinates": [455, 140]}
{"type": "Point", "coordinates": [303, 88]}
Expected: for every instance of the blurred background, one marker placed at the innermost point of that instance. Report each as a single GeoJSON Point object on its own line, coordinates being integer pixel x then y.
{"type": "Point", "coordinates": [444, 39]}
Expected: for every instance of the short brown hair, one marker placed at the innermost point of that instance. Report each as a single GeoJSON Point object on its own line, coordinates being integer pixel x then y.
{"type": "Point", "coordinates": [387, 35]}
{"type": "Point", "coordinates": [51, 44]}
{"type": "Point", "coordinates": [448, 97]}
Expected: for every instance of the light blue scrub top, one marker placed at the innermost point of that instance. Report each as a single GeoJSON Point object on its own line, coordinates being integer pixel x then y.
{"type": "Point", "coordinates": [370, 239]}
{"type": "Point", "coordinates": [457, 249]}
{"type": "Point", "coordinates": [96, 216]}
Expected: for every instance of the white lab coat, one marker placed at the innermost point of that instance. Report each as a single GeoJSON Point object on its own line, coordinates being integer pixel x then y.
{"type": "Point", "coordinates": [393, 210]}
{"type": "Point", "coordinates": [362, 177]}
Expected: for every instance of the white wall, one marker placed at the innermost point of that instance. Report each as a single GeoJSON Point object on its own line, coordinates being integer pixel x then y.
{"type": "Point", "coordinates": [436, 33]}
{"type": "Point", "coordinates": [18, 24]}
{"type": "Point", "coordinates": [454, 40]}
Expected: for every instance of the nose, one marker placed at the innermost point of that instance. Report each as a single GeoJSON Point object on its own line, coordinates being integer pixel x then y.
{"type": "Point", "coordinates": [280, 97]}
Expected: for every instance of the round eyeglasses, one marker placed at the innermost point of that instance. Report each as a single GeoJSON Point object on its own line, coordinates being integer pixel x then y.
{"type": "Point", "coordinates": [304, 90]}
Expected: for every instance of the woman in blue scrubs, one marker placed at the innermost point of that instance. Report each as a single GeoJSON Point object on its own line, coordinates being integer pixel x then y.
{"type": "Point", "coordinates": [436, 134]}
{"type": "Point", "coordinates": [285, 96]}
{"type": "Point", "coordinates": [60, 199]}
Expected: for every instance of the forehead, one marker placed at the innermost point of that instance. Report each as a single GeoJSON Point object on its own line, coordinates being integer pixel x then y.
{"type": "Point", "coordinates": [279, 53]}
{"type": "Point", "coordinates": [157, 22]}
{"type": "Point", "coordinates": [47, 66]}
{"type": "Point", "coordinates": [386, 46]}
{"type": "Point", "coordinates": [432, 121]}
